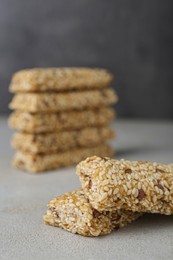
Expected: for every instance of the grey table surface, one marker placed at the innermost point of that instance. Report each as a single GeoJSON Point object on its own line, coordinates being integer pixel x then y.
{"type": "Point", "coordinates": [23, 199]}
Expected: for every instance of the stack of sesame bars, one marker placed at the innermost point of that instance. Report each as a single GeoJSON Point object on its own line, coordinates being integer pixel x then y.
{"type": "Point", "coordinates": [61, 115]}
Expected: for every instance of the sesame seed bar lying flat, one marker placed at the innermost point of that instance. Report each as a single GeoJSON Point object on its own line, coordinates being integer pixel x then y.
{"type": "Point", "coordinates": [56, 102]}
{"type": "Point", "coordinates": [43, 162]}
{"type": "Point", "coordinates": [74, 213]}
{"type": "Point", "coordinates": [49, 122]}
{"type": "Point", "coordinates": [57, 79]}
{"type": "Point", "coordinates": [137, 186]}
{"type": "Point", "coordinates": [61, 141]}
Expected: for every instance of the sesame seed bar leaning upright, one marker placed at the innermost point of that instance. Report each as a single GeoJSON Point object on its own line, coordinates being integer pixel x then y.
{"type": "Point", "coordinates": [74, 213]}
{"type": "Point", "coordinates": [137, 186]}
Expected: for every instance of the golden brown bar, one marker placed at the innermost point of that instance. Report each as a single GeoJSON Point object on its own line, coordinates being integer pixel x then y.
{"type": "Point", "coordinates": [50, 122]}
{"type": "Point", "coordinates": [61, 141]}
{"type": "Point", "coordinates": [74, 213]}
{"type": "Point", "coordinates": [43, 162]}
{"type": "Point", "coordinates": [57, 102]}
{"type": "Point", "coordinates": [59, 79]}
{"type": "Point", "coordinates": [137, 186]}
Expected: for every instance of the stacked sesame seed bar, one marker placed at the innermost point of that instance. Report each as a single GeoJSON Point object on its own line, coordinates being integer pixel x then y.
{"type": "Point", "coordinates": [57, 102]}
{"type": "Point", "coordinates": [59, 79]}
{"type": "Point", "coordinates": [61, 141]}
{"type": "Point", "coordinates": [32, 162]}
{"type": "Point", "coordinates": [74, 213]}
{"type": "Point", "coordinates": [61, 115]}
{"type": "Point", "coordinates": [137, 186]}
{"type": "Point", "coordinates": [36, 123]}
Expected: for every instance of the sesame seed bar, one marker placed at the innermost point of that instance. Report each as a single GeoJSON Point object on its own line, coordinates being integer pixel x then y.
{"type": "Point", "coordinates": [49, 122]}
{"type": "Point", "coordinates": [74, 213]}
{"type": "Point", "coordinates": [56, 102]}
{"type": "Point", "coordinates": [43, 162]}
{"type": "Point", "coordinates": [61, 141]}
{"type": "Point", "coordinates": [137, 186]}
{"type": "Point", "coordinates": [58, 79]}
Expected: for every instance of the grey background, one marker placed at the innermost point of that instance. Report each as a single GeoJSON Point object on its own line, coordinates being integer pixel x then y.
{"type": "Point", "coordinates": [132, 38]}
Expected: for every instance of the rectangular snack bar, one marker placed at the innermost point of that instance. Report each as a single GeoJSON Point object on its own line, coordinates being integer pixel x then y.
{"type": "Point", "coordinates": [57, 102]}
{"type": "Point", "coordinates": [61, 141]}
{"type": "Point", "coordinates": [74, 213]}
{"type": "Point", "coordinates": [137, 186]}
{"type": "Point", "coordinates": [59, 79]}
{"type": "Point", "coordinates": [50, 122]}
{"type": "Point", "coordinates": [43, 162]}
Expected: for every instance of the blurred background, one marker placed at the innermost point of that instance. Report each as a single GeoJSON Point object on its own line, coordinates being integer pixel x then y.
{"type": "Point", "coordinates": [132, 38]}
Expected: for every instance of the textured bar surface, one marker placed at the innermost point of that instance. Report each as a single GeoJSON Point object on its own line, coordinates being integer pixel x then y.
{"type": "Point", "coordinates": [61, 141]}
{"type": "Point", "coordinates": [74, 213]}
{"type": "Point", "coordinates": [50, 122]}
{"type": "Point", "coordinates": [58, 79]}
{"type": "Point", "coordinates": [57, 102]}
{"type": "Point", "coordinates": [43, 162]}
{"type": "Point", "coordinates": [138, 186]}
